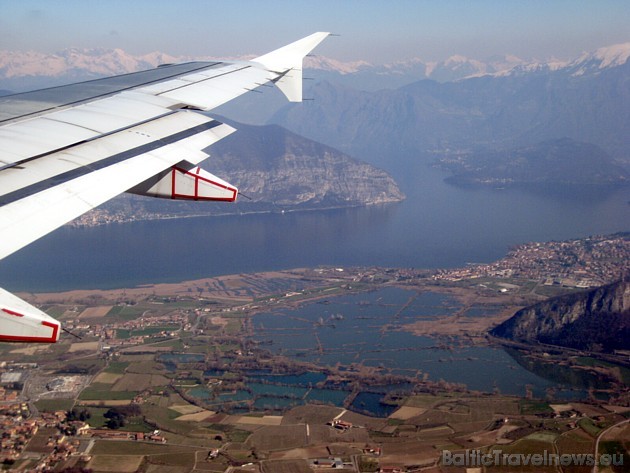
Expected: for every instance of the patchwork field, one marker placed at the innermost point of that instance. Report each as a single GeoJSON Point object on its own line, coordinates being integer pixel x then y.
{"type": "Point", "coordinates": [406, 413]}
{"type": "Point", "coordinates": [414, 434]}
{"type": "Point", "coordinates": [30, 349]}
{"type": "Point", "coordinates": [105, 402]}
{"type": "Point", "coordinates": [83, 346]}
{"type": "Point", "coordinates": [286, 466]}
{"type": "Point", "coordinates": [139, 382]}
{"type": "Point", "coordinates": [107, 378]}
{"type": "Point", "coordinates": [116, 463]}
{"type": "Point", "coordinates": [279, 437]}
{"type": "Point", "coordinates": [185, 409]}
{"type": "Point", "coordinates": [264, 420]}
{"type": "Point", "coordinates": [95, 312]}
{"type": "Point", "coordinates": [196, 417]}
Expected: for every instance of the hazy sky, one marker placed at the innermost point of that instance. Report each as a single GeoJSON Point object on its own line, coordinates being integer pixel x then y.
{"type": "Point", "coordinates": [376, 31]}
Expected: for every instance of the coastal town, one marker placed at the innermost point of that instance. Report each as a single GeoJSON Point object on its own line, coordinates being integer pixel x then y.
{"type": "Point", "coordinates": [580, 263]}
{"type": "Point", "coordinates": [171, 376]}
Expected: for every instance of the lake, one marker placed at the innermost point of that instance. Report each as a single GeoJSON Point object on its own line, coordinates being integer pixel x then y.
{"type": "Point", "coordinates": [439, 225]}
{"type": "Point", "coordinates": [368, 329]}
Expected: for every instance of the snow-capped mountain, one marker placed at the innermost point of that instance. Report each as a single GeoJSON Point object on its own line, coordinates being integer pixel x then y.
{"type": "Point", "coordinates": [25, 69]}
{"type": "Point", "coordinates": [603, 58]}
{"type": "Point", "coordinates": [77, 61]}
{"type": "Point", "coordinates": [587, 63]}
{"type": "Point", "coordinates": [328, 64]}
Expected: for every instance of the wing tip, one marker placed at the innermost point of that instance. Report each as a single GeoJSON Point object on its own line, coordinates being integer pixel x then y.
{"type": "Point", "coordinates": [287, 62]}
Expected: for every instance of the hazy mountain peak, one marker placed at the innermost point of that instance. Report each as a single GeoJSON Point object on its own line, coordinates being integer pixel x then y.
{"type": "Point", "coordinates": [79, 64]}
{"type": "Point", "coordinates": [328, 64]}
{"type": "Point", "coordinates": [603, 58]}
{"type": "Point", "coordinates": [458, 59]}
{"type": "Point", "coordinates": [614, 55]}
{"type": "Point", "coordinates": [85, 62]}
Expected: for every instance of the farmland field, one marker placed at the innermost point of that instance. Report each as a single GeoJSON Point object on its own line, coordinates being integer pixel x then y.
{"type": "Point", "coordinates": [102, 392]}
{"type": "Point", "coordinates": [123, 448]}
{"type": "Point", "coordinates": [107, 378]}
{"type": "Point", "coordinates": [286, 466]}
{"type": "Point", "coordinates": [139, 382]}
{"type": "Point", "coordinates": [116, 463]}
{"type": "Point", "coordinates": [95, 312]}
{"type": "Point", "coordinates": [279, 437]}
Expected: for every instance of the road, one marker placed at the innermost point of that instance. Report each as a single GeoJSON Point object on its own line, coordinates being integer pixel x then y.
{"type": "Point", "coordinates": [599, 437]}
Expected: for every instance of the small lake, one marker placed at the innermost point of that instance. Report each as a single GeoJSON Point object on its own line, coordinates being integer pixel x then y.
{"type": "Point", "coordinates": [365, 329]}
{"type": "Point", "coordinates": [370, 403]}
{"type": "Point", "coordinates": [271, 392]}
{"type": "Point", "coordinates": [181, 357]}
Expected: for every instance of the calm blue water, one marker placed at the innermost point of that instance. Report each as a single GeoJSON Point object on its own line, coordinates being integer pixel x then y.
{"type": "Point", "coordinates": [181, 357]}
{"type": "Point", "coordinates": [371, 403]}
{"type": "Point", "coordinates": [304, 379]}
{"type": "Point", "coordinates": [372, 333]}
{"type": "Point", "coordinates": [437, 226]}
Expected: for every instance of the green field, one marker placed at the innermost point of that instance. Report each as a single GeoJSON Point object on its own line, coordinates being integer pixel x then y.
{"type": "Point", "coordinates": [52, 405]}
{"type": "Point", "coordinates": [589, 427]}
{"type": "Point", "coordinates": [103, 392]}
{"type": "Point", "coordinates": [116, 463]}
{"type": "Point", "coordinates": [125, 312]}
{"type": "Point", "coordinates": [117, 367]}
{"type": "Point", "coordinates": [533, 407]}
{"type": "Point", "coordinates": [125, 333]}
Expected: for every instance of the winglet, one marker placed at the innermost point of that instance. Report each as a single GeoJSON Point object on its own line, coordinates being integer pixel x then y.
{"type": "Point", "coordinates": [287, 61]}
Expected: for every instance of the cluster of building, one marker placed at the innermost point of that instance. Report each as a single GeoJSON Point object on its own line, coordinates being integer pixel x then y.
{"type": "Point", "coordinates": [124, 435]}
{"type": "Point", "coordinates": [341, 424]}
{"type": "Point", "coordinates": [60, 437]}
{"type": "Point", "coordinates": [98, 217]}
{"type": "Point", "coordinates": [585, 263]}
{"type": "Point", "coordinates": [103, 217]}
{"type": "Point", "coordinates": [108, 332]}
{"type": "Point", "coordinates": [8, 395]}
{"type": "Point", "coordinates": [17, 430]}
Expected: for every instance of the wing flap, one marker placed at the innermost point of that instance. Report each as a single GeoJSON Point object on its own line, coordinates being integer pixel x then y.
{"type": "Point", "coordinates": [185, 181]}
{"type": "Point", "coordinates": [21, 322]}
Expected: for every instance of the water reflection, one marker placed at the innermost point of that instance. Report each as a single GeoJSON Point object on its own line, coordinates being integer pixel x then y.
{"type": "Point", "coordinates": [578, 378]}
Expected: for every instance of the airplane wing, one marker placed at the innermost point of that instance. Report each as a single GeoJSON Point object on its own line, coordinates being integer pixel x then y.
{"type": "Point", "coordinates": [68, 149]}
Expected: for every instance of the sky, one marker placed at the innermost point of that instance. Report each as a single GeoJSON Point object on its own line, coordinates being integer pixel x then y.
{"type": "Point", "coordinates": [375, 31]}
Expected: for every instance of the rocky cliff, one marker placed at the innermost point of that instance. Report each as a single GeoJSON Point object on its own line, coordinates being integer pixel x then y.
{"type": "Point", "coordinates": [597, 320]}
{"type": "Point", "coordinates": [272, 165]}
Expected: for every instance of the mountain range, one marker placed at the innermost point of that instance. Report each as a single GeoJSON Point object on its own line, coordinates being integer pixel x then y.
{"type": "Point", "coordinates": [396, 115]}
{"type": "Point", "coordinates": [81, 64]}
{"type": "Point", "coordinates": [587, 101]}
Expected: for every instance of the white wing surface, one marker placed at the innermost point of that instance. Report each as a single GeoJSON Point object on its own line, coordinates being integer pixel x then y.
{"type": "Point", "coordinates": [66, 150]}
